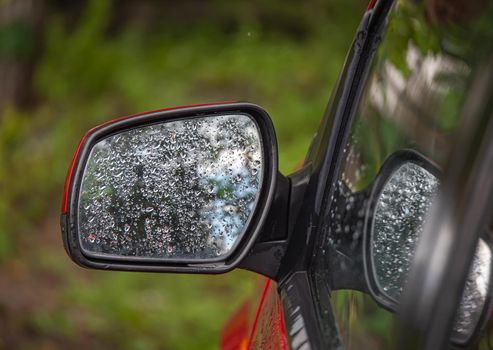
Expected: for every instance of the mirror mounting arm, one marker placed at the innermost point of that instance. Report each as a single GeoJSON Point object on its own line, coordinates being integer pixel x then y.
{"type": "Point", "coordinates": [266, 254]}
{"type": "Point", "coordinates": [269, 251]}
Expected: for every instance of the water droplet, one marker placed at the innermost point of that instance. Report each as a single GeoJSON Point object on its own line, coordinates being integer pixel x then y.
{"type": "Point", "coordinates": [170, 189]}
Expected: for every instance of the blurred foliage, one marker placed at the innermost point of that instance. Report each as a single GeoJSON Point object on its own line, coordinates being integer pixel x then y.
{"type": "Point", "coordinates": [16, 39]}
{"type": "Point", "coordinates": [100, 60]}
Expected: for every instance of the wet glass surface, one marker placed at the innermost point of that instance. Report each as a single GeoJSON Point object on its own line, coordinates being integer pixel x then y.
{"type": "Point", "coordinates": [475, 293]}
{"type": "Point", "coordinates": [416, 89]}
{"type": "Point", "coordinates": [398, 221]}
{"type": "Point", "coordinates": [179, 190]}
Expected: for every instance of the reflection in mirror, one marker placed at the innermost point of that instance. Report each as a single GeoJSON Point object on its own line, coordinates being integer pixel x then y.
{"type": "Point", "coordinates": [183, 189]}
{"type": "Point", "coordinates": [475, 293]}
{"type": "Point", "coordinates": [398, 223]}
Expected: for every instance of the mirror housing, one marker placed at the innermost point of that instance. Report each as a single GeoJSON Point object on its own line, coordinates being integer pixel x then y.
{"type": "Point", "coordinates": [71, 211]}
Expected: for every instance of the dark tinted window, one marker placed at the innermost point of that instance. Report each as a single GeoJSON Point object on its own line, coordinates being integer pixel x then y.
{"type": "Point", "coordinates": [412, 100]}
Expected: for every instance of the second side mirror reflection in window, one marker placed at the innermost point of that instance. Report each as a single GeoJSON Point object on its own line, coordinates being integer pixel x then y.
{"type": "Point", "coordinates": [399, 205]}
{"type": "Point", "coordinates": [387, 219]}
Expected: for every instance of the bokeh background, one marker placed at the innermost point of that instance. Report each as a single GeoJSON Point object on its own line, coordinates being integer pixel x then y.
{"type": "Point", "coordinates": [66, 66]}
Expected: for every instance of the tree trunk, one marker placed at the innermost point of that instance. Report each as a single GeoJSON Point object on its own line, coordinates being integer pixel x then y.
{"type": "Point", "coordinates": [20, 34]}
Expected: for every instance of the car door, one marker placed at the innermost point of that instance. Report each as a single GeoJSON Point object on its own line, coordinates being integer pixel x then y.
{"type": "Point", "coordinates": [400, 98]}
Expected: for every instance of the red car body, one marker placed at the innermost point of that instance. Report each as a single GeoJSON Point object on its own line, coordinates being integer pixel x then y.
{"type": "Point", "coordinates": [257, 324]}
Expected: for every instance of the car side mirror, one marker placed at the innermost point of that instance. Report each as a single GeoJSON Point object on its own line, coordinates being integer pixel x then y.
{"type": "Point", "coordinates": [401, 197]}
{"type": "Point", "coordinates": [183, 190]}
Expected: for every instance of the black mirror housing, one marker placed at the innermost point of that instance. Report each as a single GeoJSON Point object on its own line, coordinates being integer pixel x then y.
{"type": "Point", "coordinates": [253, 226]}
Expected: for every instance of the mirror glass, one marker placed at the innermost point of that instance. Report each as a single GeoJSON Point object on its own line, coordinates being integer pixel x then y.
{"type": "Point", "coordinates": [398, 221]}
{"type": "Point", "coordinates": [475, 293]}
{"type": "Point", "coordinates": [183, 189]}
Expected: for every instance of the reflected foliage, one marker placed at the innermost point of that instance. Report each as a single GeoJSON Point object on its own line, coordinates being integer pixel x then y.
{"type": "Point", "coordinates": [413, 99]}
{"type": "Point", "coordinates": [398, 223]}
{"type": "Point", "coordinates": [475, 293]}
{"type": "Point", "coordinates": [362, 322]}
{"type": "Point", "coordinates": [183, 189]}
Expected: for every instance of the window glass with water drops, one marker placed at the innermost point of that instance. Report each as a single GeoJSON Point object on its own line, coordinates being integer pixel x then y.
{"type": "Point", "coordinates": [412, 100]}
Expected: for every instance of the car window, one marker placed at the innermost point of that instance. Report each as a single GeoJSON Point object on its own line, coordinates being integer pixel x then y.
{"type": "Point", "coordinates": [411, 102]}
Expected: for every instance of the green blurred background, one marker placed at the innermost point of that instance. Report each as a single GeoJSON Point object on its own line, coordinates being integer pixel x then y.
{"type": "Point", "coordinates": [66, 66]}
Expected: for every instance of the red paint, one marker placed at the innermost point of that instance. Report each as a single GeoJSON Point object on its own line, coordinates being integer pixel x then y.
{"type": "Point", "coordinates": [235, 334]}
{"type": "Point", "coordinates": [280, 318]}
{"type": "Point", "coordinates": [269, 330]}
{"type": "Point", "coordinates": [68, 179]}
{"type": "Point", "coordinates": [259, 311]}
{"type": "Point", "coordinates": [371, 4]}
